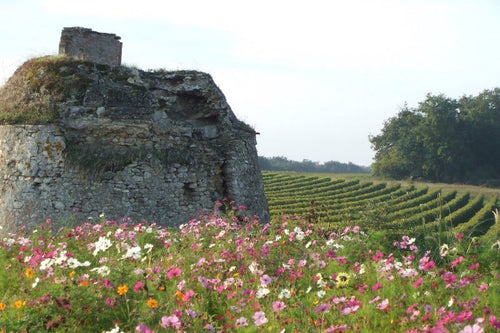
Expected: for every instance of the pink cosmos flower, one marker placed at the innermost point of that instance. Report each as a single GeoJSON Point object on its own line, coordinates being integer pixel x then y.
{"type": "Point", "coordinates": [418, 282]}
{"type": "Point", "coordinates": [378, 256]}
{"type": "Point", "coordinates": [278, 306]}
{"type": "Point", "coordinates": [340, 328]}
{"type": "Point", "coordinates": [171, 321]}
{"type": "Point", "coordinates": [384, 305]}
{"type": "Point", "coordinates": [472, 329]}
{"type": "Point", "coordinates": [362, 288]}
{"type": "Point", "coordinates": [241, 322]}
{"type": "Point", "coordinates": [323, 307]}
{"type": "Point", "coordinates": [142, 328]}
{"type": "Point", "coordinates": [174, 272]}
{"type": "Point", "coordinates": [265, 279]}
{"type": "Point", "coordinates": [457, 261]}
{"type": "Point", "coordinates": [464, 316]}
{"type": "Point", "coordinates": [449, 278]}
{"type": "Point", "coordinates": [430, 265]}
{"type": "Point", "coordinates": [483, 287]}
{"type": "Point", "coordinates": [138, 286]}
{"type": "Point", "coordinates": [494, 322]}
{"type": "Point", "coordinates": [259, 318]}
{"type": "Point", "coordinates": [350, 309]}
{"type": "Point", "coordinates": [474, 266]}
{"type": "Point", "coordinates": [338, 300]}
{"type": "Point", "coordinates": [377, 286]}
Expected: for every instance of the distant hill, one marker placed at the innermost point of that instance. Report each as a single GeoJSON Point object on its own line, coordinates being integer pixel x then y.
{"type": "Point", "coordinates": [283, 164]}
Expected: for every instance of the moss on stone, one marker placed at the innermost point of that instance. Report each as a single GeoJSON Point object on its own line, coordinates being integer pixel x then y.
{"type": "Point", "coordinates": [29, 96]}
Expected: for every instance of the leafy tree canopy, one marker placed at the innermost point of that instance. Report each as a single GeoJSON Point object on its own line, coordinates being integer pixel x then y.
{"type": "Point", "coordinates": [443, 139]}
{"type": "Point", "coordinates": [284, 164]}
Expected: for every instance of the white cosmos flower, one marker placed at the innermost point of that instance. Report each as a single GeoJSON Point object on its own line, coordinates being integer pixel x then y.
{"type": "Point", "coordinates": [101, 245]}
{"type": "Point", "coordinates": [284, 293]}
{"type": "Point", "coordinates": [114, 330]}
{"type": "Point", "coordinates": [262, 292]}
{"type": "Point", "coordinates": [133, 252]}
{"type": "Point", "coordinates": [102, 271]}
{"type": "Point", "coordinates": [74, 263]}
{"type": "Point", "coordinates": [253, 267]}
{"type": "Point", "coordinates": [61, 258]}
{"type": "Point", "coordinates": [148, 247]}
{"type": "Point", "coordinates": [46, 263]}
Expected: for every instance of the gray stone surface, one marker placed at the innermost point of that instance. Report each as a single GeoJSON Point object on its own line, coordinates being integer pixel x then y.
{"type": "Point", "coordinates": [85, 44]}
{"type": "Point", "coordinates": [156, 146]}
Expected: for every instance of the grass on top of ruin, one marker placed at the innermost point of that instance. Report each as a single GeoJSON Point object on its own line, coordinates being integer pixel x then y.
{"type": "Point", "coordinates": [223, 273]}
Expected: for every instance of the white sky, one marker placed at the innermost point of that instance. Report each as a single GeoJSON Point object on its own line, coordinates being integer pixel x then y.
{"type": "Point", "coordinates": [314, 77]}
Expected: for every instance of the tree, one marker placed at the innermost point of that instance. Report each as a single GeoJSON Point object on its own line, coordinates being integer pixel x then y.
{"type": "Point", "coordinates": [399, 147]}
{"type": "Point", "coordinates": [482, 114]}
{"type": "Point", "coordinates": [442, 140]}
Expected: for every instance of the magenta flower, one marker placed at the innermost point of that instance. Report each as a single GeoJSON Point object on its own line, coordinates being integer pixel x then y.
{"type": "Point", "coordinates": [362, 288]}
{"type": "Point", "coordinates": [449, 278]}
{"type": "Point", "coordinates": [174, 272]}
{"type": "Point", "coordinates": [418, 282]}
{"type": "Point", "coordinates": [378, 256]}
{"type": "Point", "coordinates": [259, 318]}
{"type": "Point", "coordinates": [323, 307]}
{"type": "Point", "coordinates": [494, 322]}
{"type": "Point", "coordinates": [377, 286]}
{"type": "Point", "coordinates": [138, 286]}
{"type": "Point", "coordinates": [142, 328]}
{"type": "Point", "coordinates": [464, 316]}
{"type": "Point", "coordinates": [457, 261]}
{"type": "Point", "coordinates": [474, 266]}
{"type": "Point", "coordinates": [278, 306]}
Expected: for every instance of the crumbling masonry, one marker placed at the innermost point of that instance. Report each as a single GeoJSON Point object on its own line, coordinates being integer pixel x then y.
{"type": "Point", "coordinates": [158, 146]}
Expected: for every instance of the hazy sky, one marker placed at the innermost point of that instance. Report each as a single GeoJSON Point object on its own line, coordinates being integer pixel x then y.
{"type": "Point", "coordinates": [315, 78]}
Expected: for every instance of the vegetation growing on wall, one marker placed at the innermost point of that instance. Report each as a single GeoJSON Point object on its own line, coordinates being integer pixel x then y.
{"type": "Point", "coordinates": [30, 95]}
{"type": "Point", "coordinates": [93, 160]}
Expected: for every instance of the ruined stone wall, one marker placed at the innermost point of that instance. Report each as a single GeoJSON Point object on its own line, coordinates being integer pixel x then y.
{"type": "Point", "coordinates": [85, 44]}
{"type": "Point", "coordinates": [155, 146]}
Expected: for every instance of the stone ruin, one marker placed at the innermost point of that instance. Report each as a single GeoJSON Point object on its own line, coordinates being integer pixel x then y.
{"type": "Point", "coordinates": [161, 146]}
{"type": "Point", "coordinates": [85, 44]}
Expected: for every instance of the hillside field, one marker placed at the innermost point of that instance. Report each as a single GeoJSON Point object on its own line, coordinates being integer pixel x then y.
{"type": "Point", "coordinates": [424, 210]}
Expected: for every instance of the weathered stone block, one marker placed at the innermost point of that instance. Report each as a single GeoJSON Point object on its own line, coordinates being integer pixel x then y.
{"type": "Point", "coordinates": [85, 44]}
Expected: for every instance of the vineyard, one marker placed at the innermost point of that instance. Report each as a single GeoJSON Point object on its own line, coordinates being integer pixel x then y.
{"type": "Point", "coordinates": [396, 209]}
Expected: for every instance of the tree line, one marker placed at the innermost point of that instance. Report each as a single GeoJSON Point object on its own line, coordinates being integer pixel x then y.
{"type": "Point", "coordinates": [284, 164]}
{"type": "Point", "coordinates": [443, 139]}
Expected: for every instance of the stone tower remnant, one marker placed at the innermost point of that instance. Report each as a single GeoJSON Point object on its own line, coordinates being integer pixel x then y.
{"type": "Point", "coordinates": [84, 44]}
{"type": "Point", "coordinates": [160, 146]}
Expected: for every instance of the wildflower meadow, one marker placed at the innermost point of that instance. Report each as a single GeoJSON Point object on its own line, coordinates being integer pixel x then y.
{"type": "Point", "coordinates": [222, 273]}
